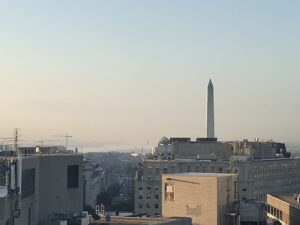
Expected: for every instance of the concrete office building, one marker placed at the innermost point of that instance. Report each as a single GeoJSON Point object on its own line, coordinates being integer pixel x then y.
{"type": "Point", "coordinates": [208, 198]}
{"type": "Point", "coordinates": [255, 150]}
{"type": "Point", "coordinates": [257, 178]}
{"type": "Point", "coordinates": [284, 209]}
{"type": "Point", "coordinates": [51, 188]}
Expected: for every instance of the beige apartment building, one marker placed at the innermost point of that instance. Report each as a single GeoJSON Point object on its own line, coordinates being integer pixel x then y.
{"type": "Point", "coordinates": [205, 197]}
{"type": "Point", "coordinates": [284, 209]}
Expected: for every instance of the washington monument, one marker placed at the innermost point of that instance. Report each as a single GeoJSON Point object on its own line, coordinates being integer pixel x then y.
{"type": "Point", "coordinates": [210, 124]}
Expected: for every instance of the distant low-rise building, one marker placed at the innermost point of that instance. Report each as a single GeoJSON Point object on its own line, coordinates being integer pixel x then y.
{"type": "Point", "coordinates": [94, 182]}
{"type": "Point", "coordinates": [252, 212]}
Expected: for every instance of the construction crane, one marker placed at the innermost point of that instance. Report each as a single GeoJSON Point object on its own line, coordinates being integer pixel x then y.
{"type": "Point", "coordinates": [67, 136]}
{"type": "Point", "coordinates": [13, 139]}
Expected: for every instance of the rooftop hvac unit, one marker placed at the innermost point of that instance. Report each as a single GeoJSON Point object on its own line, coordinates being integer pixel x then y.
{"type": "Point", "coordinates": [63, 222]}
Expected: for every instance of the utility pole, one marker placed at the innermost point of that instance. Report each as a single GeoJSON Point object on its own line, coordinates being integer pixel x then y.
{"type": "Point", "coordinates": [15, 140]}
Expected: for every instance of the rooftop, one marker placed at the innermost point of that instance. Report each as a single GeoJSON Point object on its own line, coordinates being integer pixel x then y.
{"type": "Point", "coordinates": [138, 220]}
{"type": "Point", "coordinates": [201, 174]}
{"type": "Point", "coordinates": [291, 199]}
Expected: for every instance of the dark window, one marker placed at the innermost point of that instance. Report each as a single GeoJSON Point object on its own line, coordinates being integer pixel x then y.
{"type": "Point", "coordinates": [156, 197]}
{"type": "Point", "coordinates": [280, 214]}
{"type": "Point", "coordinates": [235, 188]}
{"type": "Point", "coordinates": [189, 169]}
{"type": "Point", "coordinates": [140, 197]}
{"type": "Point", "coordinates": [29, 216]}
{"type": "Point", "coordinates": [72, 176]}
{"type": "Point", "coordinates": [156, 206]}
{"type": "Point", "coordinates": [180, 168]}
{"type": "Point", "coordinates": [173, 169]}
{"type": "Point", "coordinates": [28, 182]}
{"type": "Point", "coordinates": [2, 175]}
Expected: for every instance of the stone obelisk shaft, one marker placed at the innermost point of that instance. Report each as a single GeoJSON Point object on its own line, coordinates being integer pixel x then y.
{"type": "Point", "coordinates": [210, 125]}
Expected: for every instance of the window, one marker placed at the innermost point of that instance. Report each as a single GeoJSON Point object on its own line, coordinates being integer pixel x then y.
{"type": "Point", "coordinates": [173, 169]}
{"type": "Point", "coordinates": [156, 196]}
{"type": "Point", "coordinates": [280, 214]}
{"type": "Point", "coordinates": [29, 215]}
{"type": "Point", "coordinates": [156, 206]}
{"type": "Point", "coordinates": [180, 168]}
{"type": "Point", "coordinates": [148, 197]}
{"type": "Point", "coordinates": [2, 175]}
{"type": "Point", "coordinates": [189, 169]}
{"type": "Point", "coordinates": [169, 192]}
{"type": "Point", "coordinates": [140, 188]}
{"type": "Point", "coordinates": [140, 206]}
{"type": "Point", "coordinates": [149, 188]}
{"type": "Point", "coordinates": [235, 189]}
{"type": "Point", "coordinates": [165, 170]}
{"type": "Point", "coordinates": [148, 206]}
{"type": "Point", "coordinates": [157, 171]}
{"type": "Point", "coordinates": [28, 180]}
{"type": "Point", "coordinates": [140, 197]}
{"type": "Point", "coordinates": [72, 179]}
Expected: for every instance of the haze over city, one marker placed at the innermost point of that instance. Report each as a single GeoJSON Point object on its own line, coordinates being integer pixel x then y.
{"type": "Point", "coordinates": [121, 74]}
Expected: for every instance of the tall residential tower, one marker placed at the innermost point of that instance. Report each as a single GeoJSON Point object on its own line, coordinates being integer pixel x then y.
{"type": "Point", "coordinates": [210, 124]}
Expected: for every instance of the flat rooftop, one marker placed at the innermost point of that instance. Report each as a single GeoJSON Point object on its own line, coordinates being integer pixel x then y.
{"type": "Point", "coordinates": [291, 199]}
{"type": "Point", "coordinates": [192, 174]}
{"type": "Point", "coordinates": [39, 155]}
{"type": "Point", "coordinates": [137, 220]}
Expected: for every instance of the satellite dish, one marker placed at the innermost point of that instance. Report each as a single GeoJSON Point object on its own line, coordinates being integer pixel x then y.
{"type": "Point", "coordinates": [3, 191]}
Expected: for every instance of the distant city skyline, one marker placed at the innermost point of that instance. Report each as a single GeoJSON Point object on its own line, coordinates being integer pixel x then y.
{"type": "Point", "coordinates": [122, 74]}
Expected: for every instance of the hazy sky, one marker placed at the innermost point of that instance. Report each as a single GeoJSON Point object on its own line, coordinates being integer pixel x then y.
{"type": "Point", "coordinates": [119, 73]}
